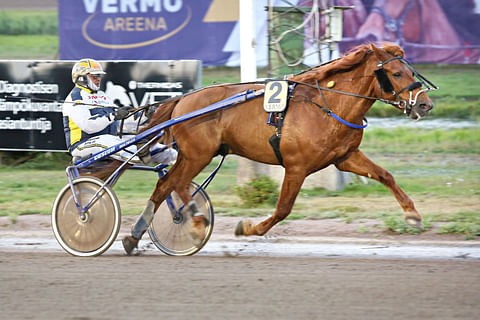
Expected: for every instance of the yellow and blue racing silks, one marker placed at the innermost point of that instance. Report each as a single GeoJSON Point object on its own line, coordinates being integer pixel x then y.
{"type": "Point", "coordinates": [87, 114]}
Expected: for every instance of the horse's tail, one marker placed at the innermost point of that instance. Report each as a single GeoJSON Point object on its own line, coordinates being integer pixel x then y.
{"type": "Point", "coordinates": [162, 114]}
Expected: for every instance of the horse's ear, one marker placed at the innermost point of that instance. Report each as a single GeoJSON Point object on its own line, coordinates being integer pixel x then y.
{"type": "Point", "coordinates": [388, 48]}
{"type": "Point", "coordinates": [394, 50]}
{"type": "Point", "coordinates": [378, 52]}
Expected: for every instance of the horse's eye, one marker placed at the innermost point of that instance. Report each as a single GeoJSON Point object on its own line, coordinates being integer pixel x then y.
{"type": "Point", "coordinates": [397, 74]}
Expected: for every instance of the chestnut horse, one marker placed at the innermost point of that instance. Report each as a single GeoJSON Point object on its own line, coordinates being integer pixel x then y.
{"type": "Point", "coordinates": [321, 127]}
{"type": "Point", "coordinates": [311, 139]}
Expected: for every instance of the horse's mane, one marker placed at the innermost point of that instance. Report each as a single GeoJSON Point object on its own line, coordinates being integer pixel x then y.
{"type": "Point", "coordinates": [349, 61]}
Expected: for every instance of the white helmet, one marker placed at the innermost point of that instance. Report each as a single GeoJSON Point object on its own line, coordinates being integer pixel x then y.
{"type": "Point", "coordinates": [84, 67]}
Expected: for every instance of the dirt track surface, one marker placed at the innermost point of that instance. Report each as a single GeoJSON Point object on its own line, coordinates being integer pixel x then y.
{"type": "Point", "coordinates": [58, 286]}
{"type": "Point", "coordinates": [35, 225]}
{"type": "Point", "coordinates": [54, 285]}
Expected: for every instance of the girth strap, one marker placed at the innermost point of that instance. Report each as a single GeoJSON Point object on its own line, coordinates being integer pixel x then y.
{"type": "Point", "coordinates": [275, 143]}
{"type": "Point", "coordinates": [276, 119]}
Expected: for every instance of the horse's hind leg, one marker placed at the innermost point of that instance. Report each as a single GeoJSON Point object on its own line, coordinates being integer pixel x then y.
{"type": "Point", "coordinates": [291, 185]}
{"type": "Point", "coordinates": [182, 178]}
{"type": "Point", "coordinates": [178, 178]}
{"type": "Point", "coordinates": [359, 164]}
{"type": "Point", "coordinates": [162, 190]}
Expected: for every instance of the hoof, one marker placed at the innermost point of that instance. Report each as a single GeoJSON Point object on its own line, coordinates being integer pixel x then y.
{"type": "Point", "coordinates": [129, 244]}
{"type": "Point", "coordinates": [198, 231]}
{"type": "Point", "coordinates": [239, 229]}
{"type": "Point", "coordinates": [415, 223]}
{"type": "Point", "coordinates": [244, 228]}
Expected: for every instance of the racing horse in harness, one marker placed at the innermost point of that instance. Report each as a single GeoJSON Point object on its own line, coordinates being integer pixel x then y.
{"type": "Point", "coordinates": [323, 125]}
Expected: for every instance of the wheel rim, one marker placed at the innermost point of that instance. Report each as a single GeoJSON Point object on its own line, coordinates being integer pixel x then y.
{"type": "Point", "coordinates": [93, 234]}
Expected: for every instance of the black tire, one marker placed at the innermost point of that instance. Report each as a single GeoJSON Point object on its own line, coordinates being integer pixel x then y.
{"type": "Point", "coordinates": [95, 234]}
{"type": "Point", "coordinates": [172, 236]}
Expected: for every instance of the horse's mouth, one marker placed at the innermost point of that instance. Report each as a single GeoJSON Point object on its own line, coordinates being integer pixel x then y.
{"type": "Point", "coordinates": [415, 116]}
{"type": "Point", "coordinates": [420, 110]}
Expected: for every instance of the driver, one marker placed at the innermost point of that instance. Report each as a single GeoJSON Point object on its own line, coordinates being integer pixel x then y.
{"type": "Point", "coordinates": [90, 119]}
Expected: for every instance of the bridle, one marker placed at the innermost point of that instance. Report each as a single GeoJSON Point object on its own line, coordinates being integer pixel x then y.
{"type": "Point", "coordinates": [387, 86]}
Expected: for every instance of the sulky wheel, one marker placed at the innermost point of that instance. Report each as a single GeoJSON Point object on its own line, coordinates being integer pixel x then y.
{"type": "Point", "coordinates": [170, 228]}
{"type": "Point", "coordinates": [93, 234]}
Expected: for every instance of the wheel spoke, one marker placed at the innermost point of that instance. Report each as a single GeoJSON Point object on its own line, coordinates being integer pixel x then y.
{"type": "Point", "coordinates": [174, 238]}
{"type": "Point", "coordinates": [97, 232]}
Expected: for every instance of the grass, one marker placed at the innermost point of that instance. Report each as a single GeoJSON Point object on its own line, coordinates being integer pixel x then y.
{"type": "Point", "coordinates": [28, 34]}
{"type": "Point", "coordinates": [468, 229]}
{"type": "Point", "coordinates": [21, 22]}
{"type": "Point", "coordinates": [420, 141]}
{"type": "Point", "coordinates": [29, 191]}
{"type": "Point", "coordinates": [38, 47]}
{"type": "Point", "coordinates": [396, 224]}
{"type": "Point", "coordinates": [452, 172]}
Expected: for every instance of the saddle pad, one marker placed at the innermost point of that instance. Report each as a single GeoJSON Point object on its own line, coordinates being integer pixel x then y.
{"type": "Point", "coordinates": [276, 96]}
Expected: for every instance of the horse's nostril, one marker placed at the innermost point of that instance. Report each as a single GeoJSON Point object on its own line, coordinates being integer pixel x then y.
{"type": "Point", "coordinates": [426, 107]}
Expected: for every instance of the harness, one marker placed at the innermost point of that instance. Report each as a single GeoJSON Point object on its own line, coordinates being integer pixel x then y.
{"type": "Point", "coordinates": [276, 119]}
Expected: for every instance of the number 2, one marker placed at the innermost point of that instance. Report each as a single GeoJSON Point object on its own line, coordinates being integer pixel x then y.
{"type": "Point", "coordinates": [273, 98]}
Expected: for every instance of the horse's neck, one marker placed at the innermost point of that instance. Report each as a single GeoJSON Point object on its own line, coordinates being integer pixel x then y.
{"type": "Point", "coordinates": [352, 108]}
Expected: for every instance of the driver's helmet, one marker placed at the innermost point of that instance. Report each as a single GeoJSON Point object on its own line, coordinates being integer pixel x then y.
{"type": "Point", "coordinates": [84, 67]}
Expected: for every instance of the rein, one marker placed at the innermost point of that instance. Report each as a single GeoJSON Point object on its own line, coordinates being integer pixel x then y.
{"type": "Point", "coordinates": [136, 110]}
{"type": "Point", "coordinates": [385, 86]}
{"type": "Point", "coordinates": [332, 114]}
{"type": "Point", "coordinates": [319, 88]}
{"type": "Point", "coordinates": [329, 112]}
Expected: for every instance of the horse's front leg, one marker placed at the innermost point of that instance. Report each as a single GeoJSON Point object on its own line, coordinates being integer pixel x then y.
{"type": "Point", "coordinates": [291, 185]}
{"type": "Point", "coordinates": [359, 164]}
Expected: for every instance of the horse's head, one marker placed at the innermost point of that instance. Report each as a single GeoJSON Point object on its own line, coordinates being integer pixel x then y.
{"type": "Point", "coordinates": [397, 83]}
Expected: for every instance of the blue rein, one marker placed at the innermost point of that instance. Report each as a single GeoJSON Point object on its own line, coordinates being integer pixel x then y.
{"type": "Point", "coordinates": [329, 112]}
{"type": "Point", "coordinates": [351, 125]}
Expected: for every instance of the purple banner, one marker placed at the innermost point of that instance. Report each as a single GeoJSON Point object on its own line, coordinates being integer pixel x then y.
{"type": "Point", "coordinates": [145, 30]}
{"type": "Point", "coordinates": [430, 31]}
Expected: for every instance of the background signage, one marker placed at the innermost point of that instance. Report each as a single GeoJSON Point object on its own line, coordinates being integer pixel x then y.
{"type": "Point", "coordinates": [145, 29]}
{"type": "Point", "coordinates": [31, 95]}
{"type": "Point", "coordinates": [434, 31]}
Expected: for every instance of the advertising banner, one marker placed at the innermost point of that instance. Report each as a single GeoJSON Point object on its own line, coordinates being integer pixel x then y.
{"type": "Point", "coordinates": [430, 31]}
{"type": "Point", "coordinates": [32, 94]}
{"type": "Point", "coordinates": [146, 29]}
